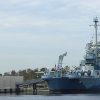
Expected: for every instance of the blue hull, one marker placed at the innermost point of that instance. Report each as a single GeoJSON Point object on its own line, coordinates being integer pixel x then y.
{"type": "Point", "coordinates": [77, 84]}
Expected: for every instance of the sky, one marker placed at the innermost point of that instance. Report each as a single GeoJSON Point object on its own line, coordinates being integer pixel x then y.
{"type": "Point", "coordinates": [33, 33]}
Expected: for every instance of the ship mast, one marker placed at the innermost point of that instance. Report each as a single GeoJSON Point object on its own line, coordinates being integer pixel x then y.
{"type": "Point", "coordinates": [96, 28]}
{"type": "Point", "coordinates": [96, 35]}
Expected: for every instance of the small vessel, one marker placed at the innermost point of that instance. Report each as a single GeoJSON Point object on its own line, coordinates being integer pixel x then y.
{"type": "Point", "coordinates": [85, 78]}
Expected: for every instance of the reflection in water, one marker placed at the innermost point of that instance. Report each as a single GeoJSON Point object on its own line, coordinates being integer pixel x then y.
{"type": "Point", "coordinates": [52, 97]}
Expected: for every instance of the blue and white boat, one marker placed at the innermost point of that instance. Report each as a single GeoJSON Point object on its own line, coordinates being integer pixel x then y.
{"type": "Point", "coordinates": [84, 78]}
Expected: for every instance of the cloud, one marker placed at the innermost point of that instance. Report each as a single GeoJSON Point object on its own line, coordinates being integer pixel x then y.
{"type": "Point", "coordinates": [44, 13]}
{"type": "Point", "coordinates": [31, 30]}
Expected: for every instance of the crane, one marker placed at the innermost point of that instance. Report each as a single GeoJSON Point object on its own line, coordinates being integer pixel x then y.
{"type": "Point", "coordinates": [60, 60]}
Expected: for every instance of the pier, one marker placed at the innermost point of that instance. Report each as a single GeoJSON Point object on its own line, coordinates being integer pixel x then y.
{"type": "Point", "coordinates": [33, 83]}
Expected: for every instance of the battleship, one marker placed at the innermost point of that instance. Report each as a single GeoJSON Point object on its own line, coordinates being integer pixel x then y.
{"type": "Point", "coordinates": [84, 78]}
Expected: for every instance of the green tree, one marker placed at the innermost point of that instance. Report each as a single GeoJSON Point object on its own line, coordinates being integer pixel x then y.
{"type": "Point", "coordinates": [7, 74]}
{"type": "Point", "coordinates": [13, 73]}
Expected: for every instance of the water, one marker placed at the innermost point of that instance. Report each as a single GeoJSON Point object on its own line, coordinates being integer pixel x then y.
{"type": "Point", "coordinates": [51, 97]}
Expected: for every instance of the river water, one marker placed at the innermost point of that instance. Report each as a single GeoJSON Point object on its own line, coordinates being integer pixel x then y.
{"type": "Point", "coordinates": [51, 97]}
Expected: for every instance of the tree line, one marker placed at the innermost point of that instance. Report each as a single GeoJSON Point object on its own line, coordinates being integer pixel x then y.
{"type": "Point", "coordinates": [28, 74]}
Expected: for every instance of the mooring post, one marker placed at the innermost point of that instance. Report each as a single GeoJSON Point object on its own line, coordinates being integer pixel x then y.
{"type": "Point", "coordinates": [5, 91]}
{"type": "Point", "coordinates": [10, 90]}
{"type": "Point", "coordinates": [17, 89]}
{"type": "Point", "coordinates": [34, 89]}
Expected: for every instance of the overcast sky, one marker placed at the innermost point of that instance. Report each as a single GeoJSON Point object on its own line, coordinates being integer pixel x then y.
{"type": "Point", "coordinates": [33, 33]}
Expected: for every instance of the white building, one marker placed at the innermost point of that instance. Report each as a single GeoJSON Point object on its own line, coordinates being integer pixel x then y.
{"type": "Point", "coordinates": [9, 82]}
